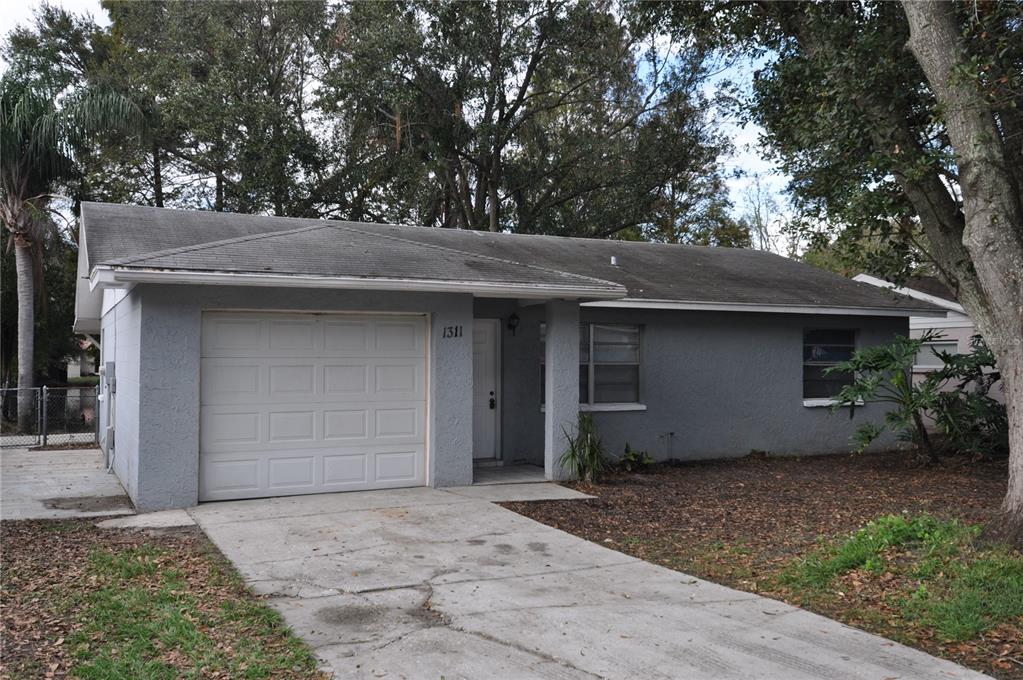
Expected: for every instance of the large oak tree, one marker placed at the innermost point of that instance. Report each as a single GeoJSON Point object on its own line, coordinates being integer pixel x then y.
{"type": "Point", "coordinates": [543, 116]}
{"type": "Point", "coordinates": [901, 125]}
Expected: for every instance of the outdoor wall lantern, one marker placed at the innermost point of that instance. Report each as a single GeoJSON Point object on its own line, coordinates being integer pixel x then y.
{"type": "Point", "coordinates": [513, 322]}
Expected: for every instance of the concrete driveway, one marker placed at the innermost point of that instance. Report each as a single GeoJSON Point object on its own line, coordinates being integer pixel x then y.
{"type": "Point", "coordinates": [56, 484]}
{"type": "Point", "coordinates": [425, 583]}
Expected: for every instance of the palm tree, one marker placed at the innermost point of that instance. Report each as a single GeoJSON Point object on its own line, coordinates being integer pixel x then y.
{"type": "Point", "coordinates": [40, 131]}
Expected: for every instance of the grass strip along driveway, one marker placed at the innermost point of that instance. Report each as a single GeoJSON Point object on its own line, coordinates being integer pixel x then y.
{"type": "Point", "coordinates": [117, 603]}
{"type": "Point", "coordinates": [868, 540]}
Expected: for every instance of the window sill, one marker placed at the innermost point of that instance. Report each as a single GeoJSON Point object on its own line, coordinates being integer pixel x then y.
{"type": "Point", "coordinates": [612, 407]}
{"type": "Point", "coordinates": [606, 408]}
{"type": "Point", "coordinates": [823, 403]}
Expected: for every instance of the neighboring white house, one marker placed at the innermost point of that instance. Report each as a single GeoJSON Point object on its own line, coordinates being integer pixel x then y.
{"type": "Point", "coordinates": [82, 363]}
{"type": "Point", "coordinates": [956, 327]}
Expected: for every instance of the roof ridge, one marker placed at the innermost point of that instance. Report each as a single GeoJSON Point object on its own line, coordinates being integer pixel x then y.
{"type": "Point", "coordinates": [420, 244]}
{"type": "Point", "coordinates": [213, 244]}
{"type": "Point", "coordinates": [590, 239]}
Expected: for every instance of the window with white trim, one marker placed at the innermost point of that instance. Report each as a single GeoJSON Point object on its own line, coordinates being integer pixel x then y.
{"type": "Point", "coordinates": [928, 359]}
{"type": "Point", "coordinates": [609, 362]}
{"type": "Point", "coordinates": [822, 349]}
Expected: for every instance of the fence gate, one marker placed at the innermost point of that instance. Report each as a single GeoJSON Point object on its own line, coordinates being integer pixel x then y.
{"type": "Point", "coordinates": [49, 416]}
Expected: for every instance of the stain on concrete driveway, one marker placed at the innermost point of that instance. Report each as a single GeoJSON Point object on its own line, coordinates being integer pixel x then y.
{"type": "Point", "coordinates": [427, 583]}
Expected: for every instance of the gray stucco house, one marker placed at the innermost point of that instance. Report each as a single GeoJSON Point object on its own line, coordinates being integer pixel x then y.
{"type": "Point", "coordinates": [247, 356]}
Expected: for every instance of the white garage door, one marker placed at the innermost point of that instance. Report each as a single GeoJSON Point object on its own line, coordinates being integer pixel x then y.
{"type": "Point", "coordinates": [311, 403]}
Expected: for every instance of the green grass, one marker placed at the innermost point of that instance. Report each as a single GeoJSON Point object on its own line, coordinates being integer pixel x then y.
{"type": "Point", "coordinates": [948, 584]}
{"type": "Point", "coordinates": [144, 622]}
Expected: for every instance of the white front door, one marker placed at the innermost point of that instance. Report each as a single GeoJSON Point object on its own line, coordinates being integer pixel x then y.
{"type": "Point", "coordinates": [486, 393]}
{"type": "Point", "coordinates": [311, 403]}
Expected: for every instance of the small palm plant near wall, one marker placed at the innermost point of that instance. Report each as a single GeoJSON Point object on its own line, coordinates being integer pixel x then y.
{"type": "Point", "coordinates": [585, 457]}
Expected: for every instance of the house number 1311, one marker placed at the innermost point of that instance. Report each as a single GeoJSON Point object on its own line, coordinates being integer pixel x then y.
{"type": "Point", "coordinates": [451, 332]}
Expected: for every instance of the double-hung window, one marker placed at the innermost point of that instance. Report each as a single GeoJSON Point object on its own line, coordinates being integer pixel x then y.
{"type": "Point", "coordinates": [609, 362]}
{"type": "Point", "coordinates": [927, 358]}
{"type": "Point", "coordinates": [822, 349]}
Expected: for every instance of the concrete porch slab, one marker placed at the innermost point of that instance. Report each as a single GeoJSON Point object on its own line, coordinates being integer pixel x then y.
{"type": "Point", "coordinates": [58, 484]}
{"type": "Point", "coordinates": [506, 493]}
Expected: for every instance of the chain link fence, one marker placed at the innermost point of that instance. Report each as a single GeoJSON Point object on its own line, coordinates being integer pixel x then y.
{"type": "Point", "coordinates": [49, 416]}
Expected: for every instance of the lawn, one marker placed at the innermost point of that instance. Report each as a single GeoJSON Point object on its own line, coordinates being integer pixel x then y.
{"type": "Point", "coordinates": [869, 540]}
{"type": "Point", "coordinates": [96, 603]}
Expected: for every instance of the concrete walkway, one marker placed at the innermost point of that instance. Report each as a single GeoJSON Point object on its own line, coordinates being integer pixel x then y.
{"type": "Point", "coordinates": [58, 484]}
{"type": "Point", "coordinates": [424, 583]}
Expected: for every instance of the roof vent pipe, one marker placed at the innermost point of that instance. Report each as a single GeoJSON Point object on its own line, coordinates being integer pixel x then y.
{"type": "Point", "coordinates": [614, 260]}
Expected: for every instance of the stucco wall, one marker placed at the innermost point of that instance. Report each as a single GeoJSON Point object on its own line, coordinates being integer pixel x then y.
{"type": "Point", "coordinates": [120, 344]}
{"type": "Point", "coordinates": [169, 356]}
{"type": "Point", "coordinates": [714, 384]}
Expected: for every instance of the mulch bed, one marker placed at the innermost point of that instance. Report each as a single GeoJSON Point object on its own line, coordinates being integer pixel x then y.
{"type": "Point", "coordinates": [739, 522]}
{"type": "Point", "coordinates": [46, 565]}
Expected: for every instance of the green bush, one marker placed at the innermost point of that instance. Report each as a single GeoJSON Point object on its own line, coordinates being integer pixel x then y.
{"type": "Point", "coordinates": [633, 460]}
{"type": "Point", "coordinates": [585, 457]}
{"type": "Point", "coordinates": [970, 420]}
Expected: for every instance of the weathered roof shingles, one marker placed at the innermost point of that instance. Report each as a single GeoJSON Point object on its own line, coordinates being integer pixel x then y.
{"type": "Point", "coordinates": [156, 238]}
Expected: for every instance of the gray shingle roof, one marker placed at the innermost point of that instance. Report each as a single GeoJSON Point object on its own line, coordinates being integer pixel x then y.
{"type": "Point", "coordinates": [156, 238]}
{"type": "Point", "coordinates": [334, 249]}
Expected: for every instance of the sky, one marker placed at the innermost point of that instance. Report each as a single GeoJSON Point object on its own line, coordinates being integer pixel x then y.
{"type": "Point", "coordinates": [747, 157]}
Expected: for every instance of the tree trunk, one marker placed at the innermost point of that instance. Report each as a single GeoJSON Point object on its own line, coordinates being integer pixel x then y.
{"type": "Point", "coordinates": [1009, 527]}
{"type": "Point", "coordinates": [925, 439]}
{"type": "Point", "coordinates": [157, 176]}
{"type": "Point", "coordinates": [493, 201]}
{"type": "Point", "coordinates": [993, 233]}
{"type": "Point", "coordinates": [218, 196]}
{"type": "Point", "coordinates": [24, 267]}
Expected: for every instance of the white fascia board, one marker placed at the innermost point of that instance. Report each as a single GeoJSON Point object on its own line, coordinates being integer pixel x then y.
{"type": "Point", "coordinates": [118, 276]}
{"type": "Point", "coordinates": [86, 326]}
{"type": "Point", "coordinates": [910, 292]}
{"type": "Point", "coordinates": [694, 305]}
{"type": "Point", "coordinates": [87, 301]}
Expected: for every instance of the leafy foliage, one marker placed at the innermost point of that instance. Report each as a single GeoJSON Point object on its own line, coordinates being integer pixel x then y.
{"type": "Point", "coordinates": [43, 133]}
{"type": "Point", "coordinates": [537, 117]}
{"type": "Point", "coordinates": [633, 460]}
{"type": "Point", "coordinates": [848, 114]}
{"type": "Point", "coordinates": [972, 421]}
{"type": "Point", "coordinates": [585, 457]}
{"type": "Point", "coordinates": [54, 342]}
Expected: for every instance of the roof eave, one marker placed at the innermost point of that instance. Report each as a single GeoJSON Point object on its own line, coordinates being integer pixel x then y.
{"type": "Point", "coordinates": [120, 276]}
{"type": "Point", "coordinates": [700, 305]}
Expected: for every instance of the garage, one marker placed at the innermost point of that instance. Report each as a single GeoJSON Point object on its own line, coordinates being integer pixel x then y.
{"type": "Point", "coordinates": [306, 403]}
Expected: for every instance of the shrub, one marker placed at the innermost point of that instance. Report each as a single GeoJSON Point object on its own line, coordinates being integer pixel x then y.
{"type": "Point", "coordinates": [633, 460]}
{"type": "Point", "coordinates": [585, 457]}
{"type": "Point", "coordinates": [973, 422]}
{"type": "Point", "coordinates": [970, 420]}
